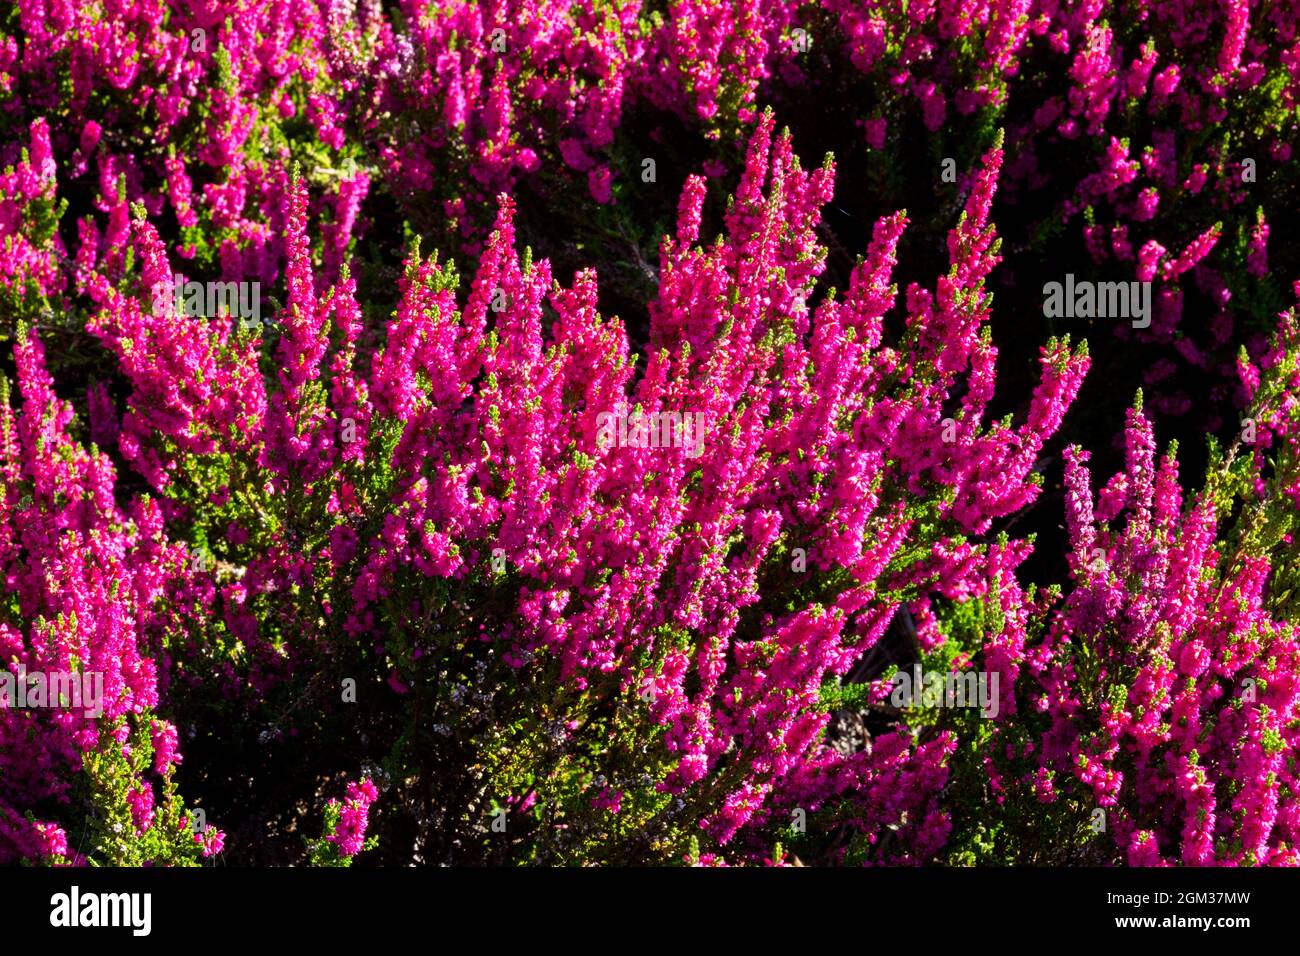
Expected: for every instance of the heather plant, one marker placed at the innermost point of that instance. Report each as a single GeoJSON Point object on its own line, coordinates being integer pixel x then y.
{"type": "Point", "coordinates": [557, 547]}
{"type": "Point", "coordinates": [1151, 141]}
{"type": "Point", "coordinates": [570, 643]}
{"type": "Point", "coordinates": [345, 827]}
{"type": "Point", "coordinates": [1159, 133]}
{"type": "Point", "coordinates": [87, 588]}
{"type": "Point", "coordinates": [1155, 710]}
{"type": "Point", "coordinates": [188, 109]}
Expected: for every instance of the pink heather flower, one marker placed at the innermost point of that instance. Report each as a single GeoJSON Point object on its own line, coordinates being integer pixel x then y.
{"type": "Point", "coordinates": [1257, 254]}
{"type": "Point", "coordinates": [1234, 40]}
{"type": "Point", "coordinates": [1148, 201]}
{"type": "Point", "coordinates": [52, 842]}
{"type": "Point", "coordinates": [1165, 83]}
{"type": "Point", "coordinates": [1143, 850]}
{"type": "Point", "coordinates": [1094, 72]}
{"type": "Point", "coordinates": [90, 134]}
{"type": "Point", "coordinates": [1150, 256]}
{"type": "Point", "coordinates": [599, 183]}
{"type": "Point", "coordinates": [354, 816]}
{"type": "Point", "coordinates": [1195, 182]}
{"type": "Point", "coordinates": [212, 841]}
{"type": "Point", "coordinates": [608, 799]}
{"type": "Point", "coordinates": [1120, 245]}
{"type": "Point", "coordinates": [1140, 71]}
{"type": "Point", "coordinates": [933, 107]}
{"type": "Point", "coordinates": [141, 803]}
{"type": "Point", "coordinates": [165, 747]}
{"type": "Point", "coordinates": [1196, 250]}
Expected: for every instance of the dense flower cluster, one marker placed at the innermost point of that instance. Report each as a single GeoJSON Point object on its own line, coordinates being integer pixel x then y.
{"type": "Point", "coordinates": [345, 826]}
{"type": "Point", "coordinates": [557, 585]}
{"type": "Point", "coordinates": [1162, 692]}
{"type": "Point", "coordinates": [87, 587]}
{"type": "Point", "coordinates": [1173, 113]}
